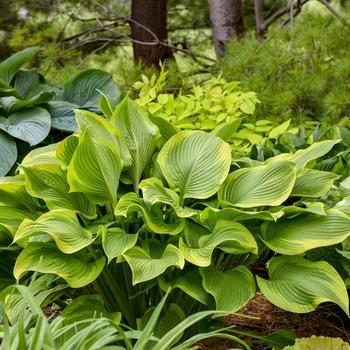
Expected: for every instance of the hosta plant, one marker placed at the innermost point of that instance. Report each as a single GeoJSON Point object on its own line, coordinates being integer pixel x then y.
{"type": "Point", "coordinates": [118, 210]}
{"type": "Point", "coordinates": [29, 107]}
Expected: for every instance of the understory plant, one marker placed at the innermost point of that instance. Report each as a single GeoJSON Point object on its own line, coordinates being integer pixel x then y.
{"type": "Point", "coordinates": [130, 210]}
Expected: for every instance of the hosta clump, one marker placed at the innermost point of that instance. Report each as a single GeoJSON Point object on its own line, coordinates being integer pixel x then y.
{"type": "Point", "coordinates": [120, 210]}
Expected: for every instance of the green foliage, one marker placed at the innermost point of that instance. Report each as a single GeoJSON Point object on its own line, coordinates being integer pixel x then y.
{"type": "Point", "coordinates": [323, 343]}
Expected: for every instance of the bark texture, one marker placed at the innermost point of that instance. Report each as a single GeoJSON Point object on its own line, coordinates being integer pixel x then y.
{"type": "Point", "coordinates": [148, 28]}
{"type": "Point", "coordinates": [226, 17]}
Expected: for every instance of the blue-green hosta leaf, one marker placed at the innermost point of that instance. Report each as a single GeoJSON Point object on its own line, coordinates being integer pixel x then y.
{"type": "Point", "coordinates": [11, 217]}
{"type": "Point", "coordinates": [49, 182]}
{"type": "Point", "coordinates": [153, 192]}
{"type": "Point", "coordinates": [31, 125]}
{"type": "Point", "coordinates": [323, 343]}
{"type": "Point", "coordinates": [269, 184]}
{"type": "Point", "coordinates": [140, 136]}
{"type": "Point", "coordinates": [62, 115]}
{"type": "Point", "coordinates": [10, 66]}
{"type": "Point", "coordinates": [303, 232]}
{"type": "Point", "coordinates": [83, 89]}
{"type": "Point", "coordinates": [66, 148]}
{"type": "Point", "coordinates": [13, 193]}
{"type": "Point", "coordinates": [95, 169]}
{"type": "Point", "coordinates": [62, 225]}
{"type": "Point", "coordinates": [46, 258]}
{"type": "Point", "coordinates": [195, 163]}
{"type": "Point", "coordinates": [116, 241]}
{"type": "Point", "coordinates": [153, 217]}
{"type": "Point", "coordinates": [229, 236]}
{"type": "Point", "coordinates": [231, 289]}
{"type": "Point", "coordinates": [299, 285]}
{"type": "Point", "coordinates": [41, 155]}
{"type": "Point", "coordinates": [8, 153]}
{"type": "Point", "coordinates": [145, 268]}
{"type": "Point", "coordinates": [26, 80]}
{"type": "Point", "coordinates": [102, 128]}
{"type": "Point", "coordinates": [313, 183]}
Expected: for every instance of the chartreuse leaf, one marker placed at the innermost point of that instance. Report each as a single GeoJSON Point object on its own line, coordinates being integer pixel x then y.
{"type": "Point", "coordinates": [231, 289]}
{"type": "Point", "coordinates": [153, 217]}
{"type": "Point", "coordinates": [195, 163]}
{"type": "Point", "coordinates": [227, 129]}
{"type": "Point", "coordinates": [62, 225]}
{"type": "Point", "coordinates": [140, 135]}
{"type": "Point", "coordinates": [116, 241]}
{"type": "Point", "coordinates": [49, 182]}
{"type": "Point", "coordinates": [11, 217]}
{"type": "Point", "coordinates": [279, 130]}
{"type": "Point", "coordinates": [46, 258]}
{"type": "Point", "coordinates": [105, 105]}
{"type": "Point", "coordinates": [8, 153]}
{"type": "Point", "coordinates": [229, 236]}
{"type": "Point", "coordinates": [313, 183]}
{"type": "Point", "coordinates": [144, 267]}
{"type": "Point", "coordinates": [299, 285]}
{"type": "Point", "coordinates": [314, 343]}
{"type": "Point", "coordinates": [306, 231]}
{"type": "Point", "coordinates": [41, 155]}
{"type": "Point", "coordinates": [66, 148]}
{"type": "Point", "coordinates": [153, 192]}
{"type": "Point", "coordinates": [95, 169]}
{"type": "Point", "coordinates": [269, 184]}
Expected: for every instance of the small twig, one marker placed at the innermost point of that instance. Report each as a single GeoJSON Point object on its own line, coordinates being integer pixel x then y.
{"type": "Point", "coordinates": [334, 12]}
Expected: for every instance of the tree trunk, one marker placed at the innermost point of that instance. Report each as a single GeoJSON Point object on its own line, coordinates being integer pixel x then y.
{"type": "Point", "coordinates": [226, 17]}
{"type": "Point", "coordinates": [259, 19]}
{"type": "Point", "coordinates": [148, 28]}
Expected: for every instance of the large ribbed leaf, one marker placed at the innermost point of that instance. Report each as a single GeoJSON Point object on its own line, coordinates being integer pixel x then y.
{"type": "Point", "coordinates": [8, 153]}
{"type": "Point", "coordinates": [11, 217]}
{"type": "Point", "coordinates": [140, 135]}
{"type": "Point", "coordinates": [41, 155]}
{"type": "Point", "coordinates": [144, 267]}
{"type": "Point", "coordinates": [258, 186]}
{"type": "Point", "coordinates": [95, 169]}
{"type": "Point", "coordinates": [313, 183]}
{"type": "Point", "coordinates": [49, 182]}
{"type": "Point", "coordinates": [116, 241]}
{"type": "Point", "coordinates": [153, 192]}
{"type": "Point", "coordinates": [153, 217]}
{"type": "Point", "coordinates": [306, 231]}
{"type": "Point", "coordinates": [62, 115]}
{"type": "Point", "coordinates": [66, 148]}
{"type": "Point", "coordinates": [62, 225]}
{"type": "Point", "coordinates": [229, 236]}
{"type": "Point", "coordinates": [231, 289]}
{"type": "Point", "coordinates": [321, 343]}
{"type": "Point", "coordinates": [299, 285]}
{"type": "Point", "coordinates": [195, 163]}
{"type": "Point", "coordinates": [31, 125]}
{"type": "Point", "coordinates": [46, 258]}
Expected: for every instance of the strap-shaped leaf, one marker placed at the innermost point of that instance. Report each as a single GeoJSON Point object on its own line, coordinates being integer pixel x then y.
{"type": "Point", "coordinates": [140, 135]}
{"type": "Point", "coordinates": [306, 231]}
{"type": "Point", "coordinates": [31, 125]}
{"type": "Point", "coordinates": [195, 163]}
{"type": "Point", "coordinates": [229, 236]}
{"type": "Point", "coordinates": [269, 184]}
{"type": "Point", "coordinates": [153, 217]}
{"type": "Point", "coordinates": [145, 268]}
{"type": "Point", "coordinates": [49, 182]}
{"type": "Point", "coordinates": [116, 241]}
{"type": "Point", "coordinates": [62, 225]}
{"type": "Point", "coordinates": [46, 258]}
{"type": "Point", "coordinates": [231, 289]}
{"type": "Point", "coordinates": [8, 153]}
{"type": "Point", "coordinates": [299, 285]}
{"type": "Point", "coordinates": [153, 192]}
{"type": "Point", "coordinates": [313, 183]}
{"type": "Point", "coordinates": [95, 169]}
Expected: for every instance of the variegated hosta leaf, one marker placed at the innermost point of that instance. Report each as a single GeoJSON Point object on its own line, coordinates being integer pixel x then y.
{"type": "Point", "coordinates": [153, 217]}
{"type": "Point", "coordinates": [13, 193]}
{"type": "Point", "coordinates": [116, 241]}
{"type": "Point", "coordinates": [49, 182]}
{"type": "Point", "coordinates": [269, 184]}
{"type": "Point", "coordinates": [153, 192]}
{"type": "Point", "coordinates": [62, 225]}
{"type": "Point", "coordinates": [231, 289]}
{"type": "Point", "coordinates": [144, 267]}
{"type": "Point", "coordinates": [102, 128]}
{"type": "Point", "coordinates": [42, 155]}
{"type": "Point", "coordinates": [315, 343]}
{"type": "Point", "coordinates": [317, 208]}
{"type": "Point", "coordinates": [313, 183]}
{"type": "Point", "coordinates": [195, 163]}
{"type": "Point", "coordinates": [95, 169]}
{"type": "Point", "coordinates": [11, 218]}
{"type": "Point", "coordinates": [344, 205]}
{"type": "Point", "coordinates": [299, 285]}
{"type": "Point", "coordinates": [46, 258]}
{"type": "Point", "coordinates": [140, 135]}
{"type": "Point", "coordinates": [190, 281]}
{"type": "Point", "coordinates": [229, 236]}
{"type": "Point", "coordinates": [66, 148]}
{"type": "Point", "coordinates": [306, 231]}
